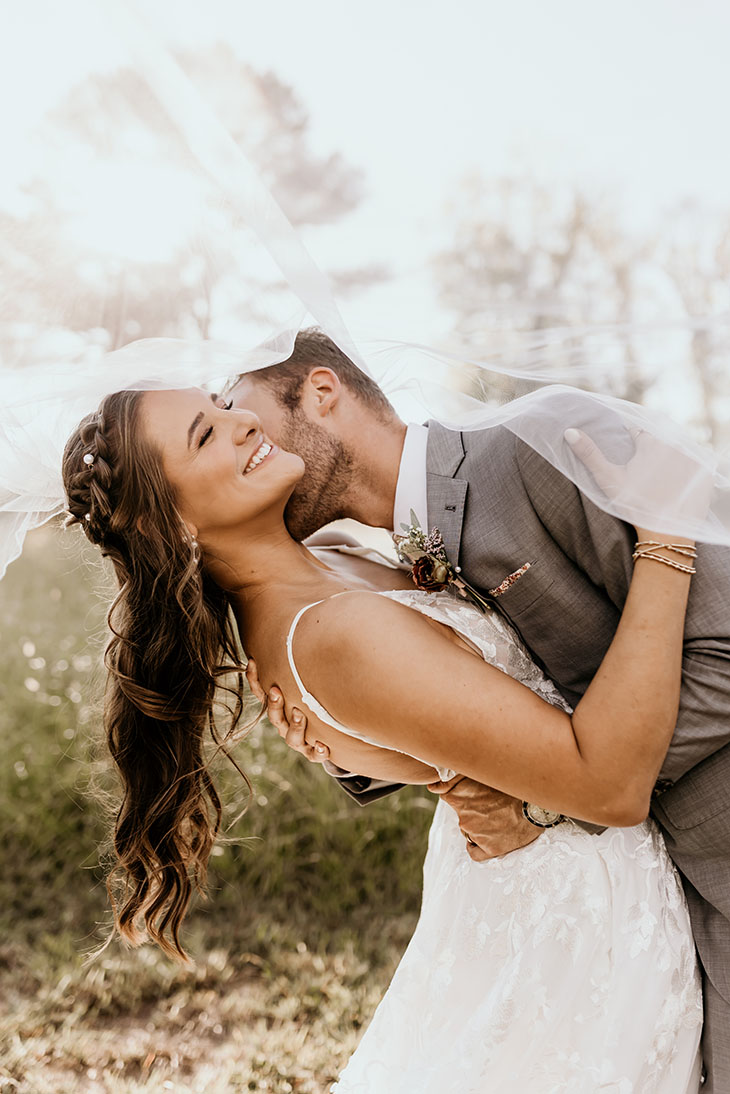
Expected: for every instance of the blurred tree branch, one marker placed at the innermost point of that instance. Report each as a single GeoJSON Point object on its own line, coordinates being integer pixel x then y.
{"type": "Point", "coordinates": [528, 256]}
{"type": "Point", "coordinates": [695, 254]}
{"type": "Point", "coordinates": [54, 281]}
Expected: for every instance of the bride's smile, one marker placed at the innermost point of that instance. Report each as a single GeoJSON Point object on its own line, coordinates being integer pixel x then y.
{"type": "Point", "coordinates": [223, 468]}
{"type": "Point", "coordinates": [263, 451]}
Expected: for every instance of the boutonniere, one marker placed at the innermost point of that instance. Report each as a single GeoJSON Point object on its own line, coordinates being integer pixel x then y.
{"type": "Point", "coordinates": [431, 570]}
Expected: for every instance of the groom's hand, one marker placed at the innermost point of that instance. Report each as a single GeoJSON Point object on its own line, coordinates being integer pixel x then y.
{"type": "Point", "coordinates": [491, 821]}
{"type": "Point", "coordinates": [677, 483]}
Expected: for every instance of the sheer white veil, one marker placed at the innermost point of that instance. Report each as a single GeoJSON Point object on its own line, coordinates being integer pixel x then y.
{"type": "Point", "coordinates": [50, 377]}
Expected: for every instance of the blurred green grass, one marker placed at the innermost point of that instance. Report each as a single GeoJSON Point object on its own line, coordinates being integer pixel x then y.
{"type": "Point", "coordinates": [311, 896]}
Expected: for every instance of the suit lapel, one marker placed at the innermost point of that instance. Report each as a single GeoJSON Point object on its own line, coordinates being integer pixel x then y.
{"type": "Point", "coordinates": [446, 494]}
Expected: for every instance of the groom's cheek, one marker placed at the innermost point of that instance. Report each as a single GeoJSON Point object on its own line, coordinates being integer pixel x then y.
{"type": "Point", "coordinates": [258, 399]}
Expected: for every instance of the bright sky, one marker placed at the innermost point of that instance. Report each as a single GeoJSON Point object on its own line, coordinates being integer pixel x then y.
{"type": "Point", "coordinates": [417, 91]}
{"type": "Point", "coordinates": [629, 96]}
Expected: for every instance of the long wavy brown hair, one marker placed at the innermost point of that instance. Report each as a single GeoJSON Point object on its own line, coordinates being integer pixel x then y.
{"type": "Point", "coordinates": [173, 642]}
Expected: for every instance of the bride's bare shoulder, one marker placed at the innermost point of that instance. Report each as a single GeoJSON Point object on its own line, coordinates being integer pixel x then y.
{"type": "Point", "coordinates": [355, 624]}
{"type": "Point", "coordinates": [363, 605]}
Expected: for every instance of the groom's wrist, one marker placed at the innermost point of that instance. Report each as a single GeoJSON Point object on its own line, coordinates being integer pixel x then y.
{"type": "Point", "coordinates": [363, 782]}
{"type": "Point", "coordinates": [335, 771]}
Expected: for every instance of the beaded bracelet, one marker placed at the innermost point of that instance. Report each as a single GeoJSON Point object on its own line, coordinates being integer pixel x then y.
{"type": "Point", "coordinates": [665, 561]}
{"type": "Point", "coordinates": [678, 548]}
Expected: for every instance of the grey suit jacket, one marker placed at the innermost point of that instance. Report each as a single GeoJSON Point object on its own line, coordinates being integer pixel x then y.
{"type": "Point", "coordinates": [498, 505]}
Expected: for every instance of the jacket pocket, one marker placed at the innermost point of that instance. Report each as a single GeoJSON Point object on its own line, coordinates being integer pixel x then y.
{"type": "Point", "coordinates": [524, 592]}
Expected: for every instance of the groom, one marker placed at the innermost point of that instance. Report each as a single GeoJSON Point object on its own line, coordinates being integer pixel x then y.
{"type": "Point", "coordinates": [498, 504]}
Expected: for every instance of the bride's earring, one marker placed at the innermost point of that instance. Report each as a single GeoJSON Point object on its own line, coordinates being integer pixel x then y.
{"type": "Point", "coordinates": [190, 536]}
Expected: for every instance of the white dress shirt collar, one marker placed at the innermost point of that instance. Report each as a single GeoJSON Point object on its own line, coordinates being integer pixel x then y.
{"type": "Point", "coordinates": [411, 491]}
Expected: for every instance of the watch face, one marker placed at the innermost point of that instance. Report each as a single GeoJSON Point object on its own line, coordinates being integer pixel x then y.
{"type": "Point", "coordinates": [544, 818]}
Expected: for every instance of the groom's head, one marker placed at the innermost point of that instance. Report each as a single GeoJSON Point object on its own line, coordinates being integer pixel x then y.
{"type": "Point", "coordinates": [319, 404]}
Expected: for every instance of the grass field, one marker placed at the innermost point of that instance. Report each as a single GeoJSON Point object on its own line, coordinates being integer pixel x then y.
{"type": "Point", "coordinates": [312, 898]}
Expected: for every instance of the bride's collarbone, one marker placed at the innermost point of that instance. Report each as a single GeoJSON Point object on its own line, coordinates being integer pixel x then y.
{"type": "Point", "coordinates": [364, 573]}
{"type": "Point", "coordinates": [268, 620]}
{"type": "Point", "coordinates": [267, 623]}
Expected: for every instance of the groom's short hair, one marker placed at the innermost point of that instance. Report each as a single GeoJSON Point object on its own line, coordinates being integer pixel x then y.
{"type": "Point", "coordinates": [314, 349]}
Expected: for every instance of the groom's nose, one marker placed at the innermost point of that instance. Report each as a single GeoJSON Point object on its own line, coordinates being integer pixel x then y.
{"type": "Point", "coordinates": [258, 400]}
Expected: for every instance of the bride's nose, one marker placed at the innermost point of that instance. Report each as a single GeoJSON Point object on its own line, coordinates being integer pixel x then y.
{"type": "Point", "coordinates": [245, 426]}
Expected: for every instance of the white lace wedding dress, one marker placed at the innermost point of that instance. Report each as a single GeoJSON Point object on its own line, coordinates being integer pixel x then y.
{"type": "Point", "coordinates": [566, 967]}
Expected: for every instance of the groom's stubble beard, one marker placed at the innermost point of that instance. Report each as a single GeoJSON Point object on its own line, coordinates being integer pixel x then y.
{"type": "Point", "coordinates": [321, 494]}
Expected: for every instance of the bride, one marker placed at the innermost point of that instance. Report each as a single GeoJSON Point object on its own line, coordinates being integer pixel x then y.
{"type": "Point", "coordinates": [567, 965]}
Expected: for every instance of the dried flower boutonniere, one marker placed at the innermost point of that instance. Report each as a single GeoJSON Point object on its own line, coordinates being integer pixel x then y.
{"type": "Point", "coordinates": [431, 570]}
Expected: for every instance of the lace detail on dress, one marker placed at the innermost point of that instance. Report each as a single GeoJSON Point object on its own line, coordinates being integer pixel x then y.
{"type": "Point", "coordinates": [567, 967]}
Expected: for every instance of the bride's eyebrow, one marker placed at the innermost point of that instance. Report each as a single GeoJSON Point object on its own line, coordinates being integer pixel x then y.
{"type": "Point", "coordinates": [198, 419]}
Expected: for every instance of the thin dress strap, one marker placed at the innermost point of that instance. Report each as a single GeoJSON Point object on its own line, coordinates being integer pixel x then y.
{"type": "Point", "coordinates": [317, 709]}
{"type": "Point", "coordinates": [307, 698]}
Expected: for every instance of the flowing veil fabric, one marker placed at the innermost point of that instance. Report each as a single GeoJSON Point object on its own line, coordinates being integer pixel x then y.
{"type": "Point", "coordinates": [219, 211]}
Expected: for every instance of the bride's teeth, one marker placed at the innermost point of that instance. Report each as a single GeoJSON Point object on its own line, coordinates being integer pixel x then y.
{"type": "Point", "coordinates": [261, 453]}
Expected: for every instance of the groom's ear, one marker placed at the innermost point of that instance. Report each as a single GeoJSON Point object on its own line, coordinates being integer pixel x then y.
{"type": "Point", "coordinates": [321, 392]}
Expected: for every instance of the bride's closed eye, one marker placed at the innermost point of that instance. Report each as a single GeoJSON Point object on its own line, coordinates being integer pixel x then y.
{"type": "Point", "coordinates": [227, 404]}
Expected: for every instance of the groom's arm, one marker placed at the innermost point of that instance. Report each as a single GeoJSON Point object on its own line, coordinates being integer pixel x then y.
{"type": "Point", "coordinates": [601, 546]}
{"type": "Point", "coordinates": [492, 823]}
{"type": "Point", "coordinates": [361, 788]}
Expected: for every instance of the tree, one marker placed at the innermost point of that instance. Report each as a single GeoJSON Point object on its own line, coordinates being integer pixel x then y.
{"type": "Point", "coordinates": [695, 255]}
{"type": "Point", "coordinates": [115, 119]}
{"type": "Point", "coordinates": [529, 257]}
{"type": "Point", "coordinates": [118, 115]}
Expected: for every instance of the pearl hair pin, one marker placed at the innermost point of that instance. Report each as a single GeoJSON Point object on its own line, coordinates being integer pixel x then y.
{"type": "Point", "coordinates": [88, 458]}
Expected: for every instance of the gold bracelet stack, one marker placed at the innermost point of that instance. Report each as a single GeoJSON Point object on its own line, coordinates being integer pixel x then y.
{"type": "Point", "coordinates": [646, 549]}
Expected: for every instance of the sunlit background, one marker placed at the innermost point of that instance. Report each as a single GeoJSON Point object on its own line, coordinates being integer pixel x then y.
{"type": "Point", "coordinates": [538, 184]}
{"type": "Point", "coordinates": [467, 176]}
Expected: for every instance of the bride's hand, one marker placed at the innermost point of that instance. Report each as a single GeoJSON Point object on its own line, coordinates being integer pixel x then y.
{"type": "Point", "coordinates": [682, 489]}
{"type": "Point", "coordinates": [294, 731]}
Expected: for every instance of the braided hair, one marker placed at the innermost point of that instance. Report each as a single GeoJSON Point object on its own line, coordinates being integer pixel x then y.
{"type": "Point", "coordinates": [171, 644]}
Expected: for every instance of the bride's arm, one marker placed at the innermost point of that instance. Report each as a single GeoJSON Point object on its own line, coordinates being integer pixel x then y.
{"type": "Point", "coordinates": [379, 667]}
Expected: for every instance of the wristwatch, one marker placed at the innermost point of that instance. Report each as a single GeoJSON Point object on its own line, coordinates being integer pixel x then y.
{"type": "Point", "coordinates": [541, 818]}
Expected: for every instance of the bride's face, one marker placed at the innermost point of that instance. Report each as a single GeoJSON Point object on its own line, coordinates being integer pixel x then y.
{"type": "Point", "coordinates": [222, 467]}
